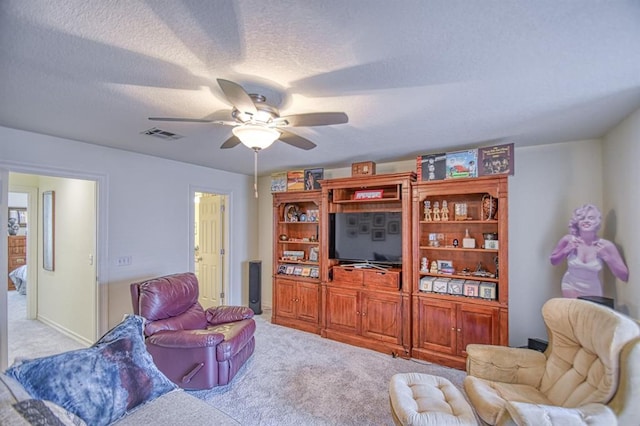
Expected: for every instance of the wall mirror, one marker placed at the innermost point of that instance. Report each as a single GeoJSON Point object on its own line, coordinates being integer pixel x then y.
{"type": "Point", "coordinates": [48, 232]}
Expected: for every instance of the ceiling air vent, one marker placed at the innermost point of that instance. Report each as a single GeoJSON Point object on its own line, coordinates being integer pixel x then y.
{"type": "Point", "coordinates": [162, 134]}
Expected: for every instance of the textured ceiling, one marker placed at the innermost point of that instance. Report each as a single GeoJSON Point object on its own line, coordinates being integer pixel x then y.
{"type": "Point", "coordinates": [413, 76]}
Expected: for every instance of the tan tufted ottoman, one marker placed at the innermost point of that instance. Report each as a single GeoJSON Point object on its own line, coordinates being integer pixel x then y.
{"type": "Point", "coordinates": [425, 400]}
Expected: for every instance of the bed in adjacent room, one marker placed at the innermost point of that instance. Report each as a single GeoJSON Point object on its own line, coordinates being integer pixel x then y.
{"type": "Point", "coordinates": [19, 278]}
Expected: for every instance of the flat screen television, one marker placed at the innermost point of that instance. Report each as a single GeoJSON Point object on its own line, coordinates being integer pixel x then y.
{"type": "Point", "coordinates": [371, 237]}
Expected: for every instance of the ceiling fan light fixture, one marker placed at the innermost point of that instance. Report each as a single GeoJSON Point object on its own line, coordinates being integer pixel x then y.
{"type": "Point", "coordinates": [256, 136]}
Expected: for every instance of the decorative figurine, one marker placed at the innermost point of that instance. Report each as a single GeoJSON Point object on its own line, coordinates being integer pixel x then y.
{"type": "Point", "coordinates": [424, 265]}
{"type": "Point", "coordinates": [585, 254]}
{"type": "Point", "coordinates": [427, 211]}
{"type": "Point", "coordinates": [455, 242]}
{"type": "Point", "coordinates": [436, 211]}
{"type": "Point", "coordinates": [445, 210]}
{"type": "Point", "coordinates": [434, 267]}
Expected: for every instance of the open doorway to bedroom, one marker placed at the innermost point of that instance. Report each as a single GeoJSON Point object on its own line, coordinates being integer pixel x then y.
{"type": "Point", "coordinates": [53, 308]}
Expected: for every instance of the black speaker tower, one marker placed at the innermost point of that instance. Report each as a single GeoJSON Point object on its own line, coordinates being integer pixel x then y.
{"type": "Point", "coordinates": [255, 286]}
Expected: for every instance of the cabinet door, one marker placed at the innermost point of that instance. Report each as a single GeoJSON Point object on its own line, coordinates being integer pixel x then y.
{"type": "Point", "coordinates": [477, 324]}
{"type": "Point", "coordinates": [436, 326]}
{"type": "Point", "coordinates": [285, 293]}
{"type": "Point", "coordinates": [342, 310]}
{"type": "Point", "coordinates": [381, 316]}
{"type": "Point", "coordinates": [308, 302]}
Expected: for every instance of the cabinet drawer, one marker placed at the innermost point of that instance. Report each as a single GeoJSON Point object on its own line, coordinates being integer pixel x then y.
{"type": "Point", "coordinates": [17, 250]}
{"type": "Point", "coordinates": [348, 276]}
{"type": "Point", "coordinates": [381, 279]}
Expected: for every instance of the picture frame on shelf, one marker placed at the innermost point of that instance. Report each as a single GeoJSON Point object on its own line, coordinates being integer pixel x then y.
{"type": "Point", "coordinates": [364, 228]}
{"type": "Point", "coordinates": [378, 234]}
{"type": "Point", "coordinates": [313, 254]}
{"type": "Point", "coordinates": [378, 220]}
{"type": "Point", "coordinates": [393, 227]}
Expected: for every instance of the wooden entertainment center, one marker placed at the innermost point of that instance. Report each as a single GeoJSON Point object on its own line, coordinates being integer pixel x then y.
{"type": "Point", "coordinates": [396, 308]}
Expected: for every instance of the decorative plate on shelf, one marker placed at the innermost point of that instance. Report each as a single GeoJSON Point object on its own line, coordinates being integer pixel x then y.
{"type": "Point", "coordinates": [291, 213]}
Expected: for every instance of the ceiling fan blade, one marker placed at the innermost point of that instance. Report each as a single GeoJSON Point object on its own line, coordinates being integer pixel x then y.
{"type": "Point", "coordinates": [295, 140]}
{"type": "Point", "coordinates": [237, 96]}
{"type": "Point", "coordinates": [312, 119]}
{"type": "Point", "coordinates": [230, 143]}
{"type": "Point", "coordinates": [186, 120]}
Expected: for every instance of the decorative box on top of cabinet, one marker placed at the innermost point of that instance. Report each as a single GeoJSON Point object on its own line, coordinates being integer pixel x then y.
{"type": "Point", "coordinates": [461, 260]}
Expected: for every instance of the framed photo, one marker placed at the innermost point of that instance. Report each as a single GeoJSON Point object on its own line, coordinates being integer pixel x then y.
{"type": "Point", "coordinates": [282, 269]}
{"type": "Point", "coordinates": [352, 220]}
{"type": "Point", "coordinates": [378, 220]}
{"type": "Point", "coordinates": [445, 264]}
{"type": "Point", "coordinates": [352, 232]}
{"type": "Point", "coordinates": [289, 270]}
{"type": "Point", "coordinates": [313, 254]}
{"type": "Point", "coordinates": [378, 234]}
{"type": "Point", "coordinates": [393, 227]}
{"type": "Point", "coordinates": [364, 217]}
{"type": "Point", "coordinates": [364, 228]}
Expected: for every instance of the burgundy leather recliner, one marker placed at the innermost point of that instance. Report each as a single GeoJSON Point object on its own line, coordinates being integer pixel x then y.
{"type": "Point", "coordinates": [196, 349]}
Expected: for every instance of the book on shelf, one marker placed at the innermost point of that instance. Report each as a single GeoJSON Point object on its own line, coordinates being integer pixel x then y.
{"type": "Point", "coordinates": [496, 160]}
{"type": "Point", "coordinates": [462, 164]}
{"type": "Point", "coordinates": [295, 180]}
{"type": "Point", "coordinates": [431, 167]}
{"type": "Point", "coordinates": [279, 182]}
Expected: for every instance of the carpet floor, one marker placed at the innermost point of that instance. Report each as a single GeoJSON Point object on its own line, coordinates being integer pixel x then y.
{"type": "Point", "coordinates": [298, 378]}
{"type": "Point", "coordinates": [32, 338]}
{"type": "Point", "coordinates": [293, 378]}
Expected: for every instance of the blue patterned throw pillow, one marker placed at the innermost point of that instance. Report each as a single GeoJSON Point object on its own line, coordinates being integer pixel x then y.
{"type": "Point", "coordinates": [99, 384]}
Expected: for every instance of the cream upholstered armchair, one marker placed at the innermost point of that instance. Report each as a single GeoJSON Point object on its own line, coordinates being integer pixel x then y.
{"type": "Point", "coordinates": [589, 374]}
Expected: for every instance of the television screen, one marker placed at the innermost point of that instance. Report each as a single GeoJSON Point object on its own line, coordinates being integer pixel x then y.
{"type": "Point", "coordinates": [374, 237]}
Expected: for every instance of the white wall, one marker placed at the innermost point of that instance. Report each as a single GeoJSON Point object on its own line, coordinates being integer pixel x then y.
{"type": "Point", "coordinates": [549, 182]}
{"type": "Point", "coordinates": [67, 295]}
{"type": "Point", "coordinates": [622, 202]}
{"type": "Point", "coordinates": [146, 212]}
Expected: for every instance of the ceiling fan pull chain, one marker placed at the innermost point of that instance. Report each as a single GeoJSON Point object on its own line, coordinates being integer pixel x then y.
{"type": "Point", "coordinates": [255, 172]}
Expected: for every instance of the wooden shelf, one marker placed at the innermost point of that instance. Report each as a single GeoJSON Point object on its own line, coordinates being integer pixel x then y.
{"type": "Point", "coordinates": [459, 249]}
{"type": "Point", "coordinates": [299, 242]}
{"type": "Point", "coordinates": [457, 222]}
{"type": "Point", "coordinates": [463, 277]}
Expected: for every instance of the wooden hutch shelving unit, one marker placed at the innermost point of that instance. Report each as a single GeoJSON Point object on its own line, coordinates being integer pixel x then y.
{"type": "Point", "coordinates": [296, 269]}
{"type": "Point", "coordinates": [444, 323]}
{"type": "Point", "coordinates": [368, 307]}
{"type": "Point", "coordinates": [394, 310]}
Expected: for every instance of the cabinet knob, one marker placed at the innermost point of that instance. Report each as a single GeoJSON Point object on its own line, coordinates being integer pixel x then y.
{"type": "Point", "coordinates": [364, 313]}
{"type": "Point", "coordinates": [459, 330]}
{"type": "Point", "coordinates": [357, 312]}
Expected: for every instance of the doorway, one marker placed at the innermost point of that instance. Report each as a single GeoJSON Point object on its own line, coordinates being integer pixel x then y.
{"type": "Point", "coordinates": [66, 297]}
{"type": "Point", "coordinates": [210, 246]}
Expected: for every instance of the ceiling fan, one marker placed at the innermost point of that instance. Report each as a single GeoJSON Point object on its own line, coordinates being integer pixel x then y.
{"type": "Point", "coordinates": [257, 124]}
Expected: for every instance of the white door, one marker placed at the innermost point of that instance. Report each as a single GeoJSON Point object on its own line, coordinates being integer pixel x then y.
{"type": "Point", "coordinates": [208, 257]}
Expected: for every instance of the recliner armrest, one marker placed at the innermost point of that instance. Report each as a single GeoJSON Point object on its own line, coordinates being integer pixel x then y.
{"type": "Point", "coordinates": [505, 364]}
{"type": "Point", "coordinates": [186, 339]}
{"type": "Point", "coordinates": [525, 414]}
{"type": "Point", "coordinates": [224, 314]}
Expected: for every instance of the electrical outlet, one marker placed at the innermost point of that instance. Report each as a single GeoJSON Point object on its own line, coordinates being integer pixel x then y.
{"type": "Point", "coordinates": [123, 261]}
